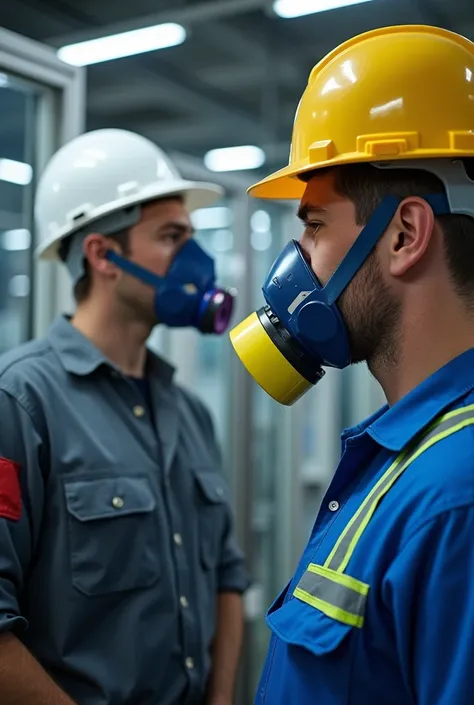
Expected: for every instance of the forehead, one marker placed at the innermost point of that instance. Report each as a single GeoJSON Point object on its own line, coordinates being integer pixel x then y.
{"type": "Point", "coordinates": [321, 192]}
{"type": "Point", "coordinates": [170, 210]}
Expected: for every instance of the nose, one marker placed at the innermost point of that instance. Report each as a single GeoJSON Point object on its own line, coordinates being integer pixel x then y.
{"type": "Point", "coordinates": [305, 250]}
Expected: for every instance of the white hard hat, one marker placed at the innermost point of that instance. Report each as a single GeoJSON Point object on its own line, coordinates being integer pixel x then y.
{"type": "Point", "coordinates": [101, 172]}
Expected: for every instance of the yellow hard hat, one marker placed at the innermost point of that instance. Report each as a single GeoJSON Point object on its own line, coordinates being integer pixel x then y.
{"type": "Point", "coordinates": [390, 95]}
{"type": "Point", "coordinates": [404, 92]}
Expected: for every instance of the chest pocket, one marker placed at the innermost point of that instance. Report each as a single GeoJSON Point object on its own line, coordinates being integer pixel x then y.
{"type": "Point", "coordinates": [113, 534]}
{"type": "Point", "coordinates": [311, 648]}
{"type": "Point", "coordinates": [211, 493]}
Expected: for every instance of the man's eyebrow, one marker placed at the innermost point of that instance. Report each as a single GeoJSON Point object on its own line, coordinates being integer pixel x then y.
{"type": "Point", "coordinates": [175, 225]}
{"type": "Point", "coordinates": [307, 208]}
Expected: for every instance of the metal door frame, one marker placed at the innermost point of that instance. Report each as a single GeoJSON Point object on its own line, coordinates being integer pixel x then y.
{"type": "Point", "coordinates": [61, 117]}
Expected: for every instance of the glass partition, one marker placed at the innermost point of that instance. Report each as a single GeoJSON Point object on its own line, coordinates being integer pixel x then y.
{"type": "Point", "coordinates": [265, 244]}
{"type": "Point", "coordinates": [203, 361]}
{"type": "Point", "coordinates": [42, 107]}
{"type": "Point", "coordinates": [17, 164]}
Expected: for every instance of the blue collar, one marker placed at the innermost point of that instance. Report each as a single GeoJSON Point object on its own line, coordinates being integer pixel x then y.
{"type": "Point", "coordinates": [394, 427]}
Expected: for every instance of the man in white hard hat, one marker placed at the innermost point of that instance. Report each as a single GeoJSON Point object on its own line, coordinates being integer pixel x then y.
{"type": "Point", "coordinates": [120, 577]}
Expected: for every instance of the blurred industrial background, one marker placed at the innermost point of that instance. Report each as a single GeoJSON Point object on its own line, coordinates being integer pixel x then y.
{"type": "Point", "coordinates": [232, 79]}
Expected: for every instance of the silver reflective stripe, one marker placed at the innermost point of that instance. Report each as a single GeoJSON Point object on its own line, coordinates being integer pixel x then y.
{"type": "Point", "coordinates": [348, 535]}
{"type": "Point", "coordinates": [332, 592]}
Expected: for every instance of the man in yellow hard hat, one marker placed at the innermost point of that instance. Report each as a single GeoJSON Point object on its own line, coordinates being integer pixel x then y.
{"type": "Point", "coordinates": [380, 610]}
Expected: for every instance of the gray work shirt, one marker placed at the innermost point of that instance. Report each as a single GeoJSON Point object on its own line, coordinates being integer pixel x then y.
{"type": "Point", "coordinates": [111, 575]}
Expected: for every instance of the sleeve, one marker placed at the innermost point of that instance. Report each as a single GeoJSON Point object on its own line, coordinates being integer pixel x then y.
{"type": "Point", "coordinates": [21, 503]}
{"type": "Point", "coordinates": [232, 574]}
{"type": "Point", "coordinates": [431, 595]}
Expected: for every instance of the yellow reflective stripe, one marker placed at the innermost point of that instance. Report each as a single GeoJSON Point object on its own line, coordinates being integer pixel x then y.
{"type": "Point", "coordinates": [337, 595]}
{"type": "Point", "coordinates": [329, 610]}
{"type": "Point", "coordinates": [447, 416]}
{"type": "Point", "coordinates": [403, 461]}
{"type": "Point", "coordinates": [456, 412]}
{"type": "Point", "coordinates": [341, 578]}
{"type": "Point", "coordinates": [370, 512]}
{"type": "Point", "coordinates": [362, 507]}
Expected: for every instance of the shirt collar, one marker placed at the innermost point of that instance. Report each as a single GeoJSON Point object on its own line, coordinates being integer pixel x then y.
{"type": "Point", "coordinates": [79, 356]}
{"type": "Point", "coordinates": [394, 427]}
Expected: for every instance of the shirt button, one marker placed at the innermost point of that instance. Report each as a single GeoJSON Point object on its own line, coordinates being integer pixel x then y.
{"type": "Point", "coordinates": [178, 539]}
{"type": "Point", "coordinates": [138, 411]}
{"type": "Point", "coordinates": [189, 663]}
{"type": "Point", "coordinates": [184, 603]}
{"type": "Point", "coordinates": [118, 502]}
{"type": "Point", "coordinates": [333, 506]}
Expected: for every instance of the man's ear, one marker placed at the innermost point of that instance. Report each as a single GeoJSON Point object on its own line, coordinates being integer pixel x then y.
{"type": "Point", "coordinates": [412, 230]}
{"type": "Point", "coordinates": [95, 248]}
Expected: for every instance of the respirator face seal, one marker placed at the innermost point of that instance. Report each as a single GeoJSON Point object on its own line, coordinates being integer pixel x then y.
{"type": "Point", "coordinates": [300, 330]}
{"type": "Point", "coordinates": [187, 296]}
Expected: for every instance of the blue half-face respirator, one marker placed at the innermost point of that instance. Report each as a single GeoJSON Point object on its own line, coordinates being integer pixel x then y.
{"type": "Point", "coordinates": [300, 330]}
{"type": "Point", "coordinates": [187, 295]}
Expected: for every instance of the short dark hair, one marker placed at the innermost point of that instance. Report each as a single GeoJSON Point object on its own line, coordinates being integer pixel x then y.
{"type": "Point", "coordinates": [366, 186]}
{"type": "Point", "coordinates": [82, 287]}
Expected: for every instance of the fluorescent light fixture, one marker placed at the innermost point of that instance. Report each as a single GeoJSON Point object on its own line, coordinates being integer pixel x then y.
{"type": "Point", "coordinates": [16, 240]}
{"type": "Point", "coordinates": [298, 8]}
{"type": "Point", "coordinates": [222, 240]}
{"type": "Point", "coordinates": [19, 286]}
{"type": "Point", "coordinates": [261, 241]}
{"type": "Point", "coordinates": [117, 46]}
{"type": "Point", "coordinates": [235, 158]}
{"type": "Point", "coordinates": [261, 222]}
{"type": "Point", "coordinates": [15, 172]}
{"type": "Point", "coordinates": [212, 218]}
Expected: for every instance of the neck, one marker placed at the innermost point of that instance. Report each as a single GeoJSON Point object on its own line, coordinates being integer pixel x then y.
{"type": "Point", "coordinates": [432, 337]}
{"type": "Point", "coordinates": [122, 340]}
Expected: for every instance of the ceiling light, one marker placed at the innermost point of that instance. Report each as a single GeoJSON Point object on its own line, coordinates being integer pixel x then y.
{"type": "Point", "coordinates": [235, 158]}
{"type": "Point", "coordinates": [297, 8]}
{"type": "Point", "coordinates": [261, 222]}
{"type": "Point", "coordinates": [16, 240]}
{"type": "Point", "coordinates": [212, 218]}
{"type": "Point", "coordinates": [261, 241]}
{"type": "Point", "coordinates": [19, 286]}
{"type": "Point", "coordinates": [222, 240]}
{"type": "Point", "coordinates": [15, 172]}
{"type": "Point", "coordinates": [116, 46]}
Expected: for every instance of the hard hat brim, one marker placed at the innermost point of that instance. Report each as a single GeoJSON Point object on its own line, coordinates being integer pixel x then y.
{"type": "Point", "coordinates": [285, 184]}
{"type": "Point", "coordinates": [196, 195]}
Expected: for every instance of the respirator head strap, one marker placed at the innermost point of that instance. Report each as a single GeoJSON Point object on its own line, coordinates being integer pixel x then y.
{"type": "Point", "coordinates": [368, 238]}
{"type": "Point", "coordinates": [135, 270]}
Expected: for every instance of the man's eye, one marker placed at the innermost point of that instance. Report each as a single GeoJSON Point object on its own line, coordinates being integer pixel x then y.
{"type": "Point", "coordinates": [173, 237]}
{"type": "Point", "coordinates": [312, 228]}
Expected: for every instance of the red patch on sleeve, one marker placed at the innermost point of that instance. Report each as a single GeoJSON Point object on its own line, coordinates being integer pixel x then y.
{"type": "Point", "coordinates": [10, 490]}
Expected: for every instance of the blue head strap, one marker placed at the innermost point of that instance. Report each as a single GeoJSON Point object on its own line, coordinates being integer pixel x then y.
{"type": "Point", "coordinates": [367, 240]}
{"type": "Point", "coordinates": [187, 295]}
{"type": "Point", "coordinates": [179, 294]}
{"type": "Point", "coordinates": [308, 310]}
